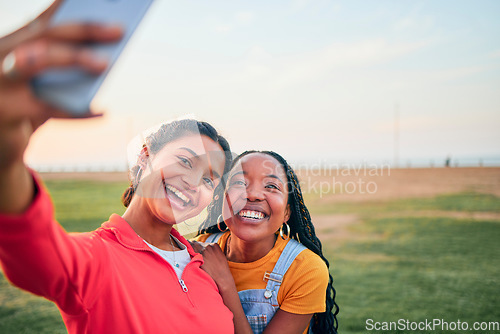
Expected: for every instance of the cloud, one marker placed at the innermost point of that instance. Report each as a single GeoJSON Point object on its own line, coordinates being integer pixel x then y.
{"type": "Point", "coordinates": [405, 80]}
{"type": "Point", "coordinates": [404, 23]}
{"type": "Point", "coordinates": [244, 17]}
{"type": "Point", "coordinates": [316, 5]}
{"type": "Point", "coordinates": [494, 54]}
{"type": "Point", "coordinates": [455, 73]}
{"type": "Point", "coordinates": [408, 123]}
{"type": "Point", "coordinates": [224, 28]}
{"type": "Point", "coordinates": [298, 5]}
{"type": "Point", "coordinates": [240, 19]}
{"type": "Point", "coordinates": [415, 20]}
{"type": "Point", "coordinates": [317, 64]}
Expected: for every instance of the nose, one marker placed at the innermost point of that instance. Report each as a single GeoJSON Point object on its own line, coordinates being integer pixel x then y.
{"type": "Point", "coordinates": [192, 180]}
{"type": "Point", "coordinates": [254, 193]}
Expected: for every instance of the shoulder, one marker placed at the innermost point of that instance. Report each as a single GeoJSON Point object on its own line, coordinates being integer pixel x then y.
{"type": "Point", "coordinates": [201, 237]}
{"type": "Point", "coordinates": [304, 284]}
{"type": "Point", "coordinates": [309, 263]}
{"type": "Point", "coordinates": [219, 238]}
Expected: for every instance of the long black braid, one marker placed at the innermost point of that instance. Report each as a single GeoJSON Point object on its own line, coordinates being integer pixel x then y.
{"type": "Point", "coordinates": [301, 229]}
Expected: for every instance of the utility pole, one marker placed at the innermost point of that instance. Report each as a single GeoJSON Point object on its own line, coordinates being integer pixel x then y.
{"type": "Point", "coordinates": [396, 135]}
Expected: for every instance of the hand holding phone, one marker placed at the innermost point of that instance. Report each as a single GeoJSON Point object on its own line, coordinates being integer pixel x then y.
{"type": "Point", "coordinates": [23, 54]}
{"type": "Point", "coordinates": [73, 88]}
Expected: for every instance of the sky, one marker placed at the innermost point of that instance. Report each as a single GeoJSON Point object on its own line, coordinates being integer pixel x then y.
{"type": "Point", "coordinates": [320, 82]}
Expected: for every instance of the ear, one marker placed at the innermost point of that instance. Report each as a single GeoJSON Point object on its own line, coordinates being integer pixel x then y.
{"type": "Point", "coordinates": [288, 212]}
{"type": "Point", "coordinates": [142, 160]}
{"type": "Point", "coordinates": [144, 151]}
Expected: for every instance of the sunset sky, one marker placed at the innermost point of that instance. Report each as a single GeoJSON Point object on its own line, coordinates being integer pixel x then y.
{"type": "Point", "coordinates": [317, 81]}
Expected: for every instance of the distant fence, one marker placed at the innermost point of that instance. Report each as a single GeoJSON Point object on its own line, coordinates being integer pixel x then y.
{"type": "Point", "coordinates": [420, 163]}
{"type": "Point", "coordinates": [79, 168]}
{"type": "Point", "coordinates": [465, 162]}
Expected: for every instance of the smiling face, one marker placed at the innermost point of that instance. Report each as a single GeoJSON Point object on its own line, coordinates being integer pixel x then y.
{"type": "Point", "coordinates": [256, 201]}
{"type": "Point", "coordinates": [179, 181]}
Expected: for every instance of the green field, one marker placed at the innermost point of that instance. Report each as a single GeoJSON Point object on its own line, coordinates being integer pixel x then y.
{"type": "Point", "coordinates": [395, 263]}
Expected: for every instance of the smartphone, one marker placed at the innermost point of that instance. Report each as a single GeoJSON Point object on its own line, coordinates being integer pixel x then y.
{"type": "Point", "coordinates": [73, 89]}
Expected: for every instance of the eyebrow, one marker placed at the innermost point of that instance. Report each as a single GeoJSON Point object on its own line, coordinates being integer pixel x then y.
{"type": "Point", "coordinates": [197, 157]}
{"type": "Point", "coordinates": [269, 175]}
{"type": "Point", "coordinates": [275, 177]}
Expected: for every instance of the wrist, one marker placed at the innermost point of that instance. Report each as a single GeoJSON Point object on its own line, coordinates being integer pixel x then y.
{"type": "Point", "coordinates": [226, 285]}
{"type": "Point", "coordinates": [17, 189]}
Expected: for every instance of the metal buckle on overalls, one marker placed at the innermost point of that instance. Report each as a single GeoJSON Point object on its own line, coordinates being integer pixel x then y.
{"type": "Point", "coordinates": [267, 275]}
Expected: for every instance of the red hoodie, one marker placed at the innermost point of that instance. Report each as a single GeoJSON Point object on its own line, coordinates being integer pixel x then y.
{"type": "Point", "coordinates": [108, 280]}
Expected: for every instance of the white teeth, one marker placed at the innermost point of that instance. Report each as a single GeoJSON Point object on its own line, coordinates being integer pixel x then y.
{"type": "Point", "coordinates": [251, 214]}
{"type": "Point", "coordinates": [177, 193]}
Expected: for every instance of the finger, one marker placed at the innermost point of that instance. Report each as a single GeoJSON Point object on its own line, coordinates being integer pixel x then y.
{"type": "Point", "coordinates": [85, 32]}
{"type": "Point", "coordinates": [196, 246]}
{"type": "Point", "coordinates": [31, 30]}
{"type": "Point", "coordinates": [216, 247]}
{"type": "Point", "coordinates": [201, 246]}
{"type": "Point", "coordinates": [34, 57]}
{"type": "Point", "coordinates": [52, 112]}
{"type": "Point", "coordinates": [71, 32]}
{"type": "Point", "coordinates": [213, 249]}
{"type": "Point", "coordinates": [17, 101]}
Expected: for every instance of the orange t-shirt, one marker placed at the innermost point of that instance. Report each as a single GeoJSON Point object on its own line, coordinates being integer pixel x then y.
{"type": "Point", "coordinates": [303, 290]}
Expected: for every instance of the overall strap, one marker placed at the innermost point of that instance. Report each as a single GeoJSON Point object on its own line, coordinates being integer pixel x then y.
{"type": "Point", "coordinates": [275, 278]}
{"type": "Point", "coordinates": [212, 238]}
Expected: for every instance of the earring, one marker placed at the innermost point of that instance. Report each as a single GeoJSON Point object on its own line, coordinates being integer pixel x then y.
{"type": "Point", "coordinates": [219, 222]}
{"type": "Point", "coordinates": [287, 234]}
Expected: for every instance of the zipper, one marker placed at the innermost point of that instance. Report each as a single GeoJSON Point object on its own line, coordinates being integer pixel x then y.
{"type": "Point", "coordinates": [183, 285]}
{"type": "Point", "coordinates": [181, 281]}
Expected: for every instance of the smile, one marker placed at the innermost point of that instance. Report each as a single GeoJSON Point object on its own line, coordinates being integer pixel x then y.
{"type": "Point", "coordinates": [177, 193]}
{"type": "Point", "coordinates": [257, 215]}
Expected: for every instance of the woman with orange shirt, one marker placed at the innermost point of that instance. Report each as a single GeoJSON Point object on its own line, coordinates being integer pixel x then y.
{"type": "Point", "coordinates": [268, 265]}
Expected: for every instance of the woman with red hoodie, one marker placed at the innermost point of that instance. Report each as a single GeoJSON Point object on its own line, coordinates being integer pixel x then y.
{"type": "Point", "coordinates": [134, 274]}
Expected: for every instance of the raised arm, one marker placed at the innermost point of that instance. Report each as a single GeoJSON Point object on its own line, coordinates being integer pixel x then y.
{"type": "Point", "coordinates": [35, 252]}
{"type": "Point", "coordinates": [23, 54]}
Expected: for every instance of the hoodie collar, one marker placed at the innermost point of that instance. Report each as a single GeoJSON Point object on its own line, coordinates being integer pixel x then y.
{"type": "Point", "coordinates": [127, 236]}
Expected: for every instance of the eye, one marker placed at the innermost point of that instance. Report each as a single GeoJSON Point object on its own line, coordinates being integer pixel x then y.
{"type": "Point", "coordinates": [239, 183]}
{"type": "Point", "coordinates": [272, 186]}
{"type": "Point", "coordinates": [184, 161]}
{"type": "Point", "coordinates": [236, 184]}
{"type": "Point", "coordinates": [209, 182]}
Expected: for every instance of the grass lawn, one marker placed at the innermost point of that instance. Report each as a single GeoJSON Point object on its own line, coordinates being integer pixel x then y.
{"type": "Point", "coordinates": [418, 269]}
{"type": "Point", "coordinates": [405, 267]}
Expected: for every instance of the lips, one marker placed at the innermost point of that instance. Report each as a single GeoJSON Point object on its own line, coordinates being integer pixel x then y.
{"type": "Point", "coordinates": [176, 196]}
{"type": "Point", "coordinates": [252, 214]}
{"type": "Point", "coordinates": [178, 193]}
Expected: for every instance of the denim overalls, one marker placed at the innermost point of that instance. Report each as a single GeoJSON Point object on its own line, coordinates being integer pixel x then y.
{"type": "Point", "coordinates": [261, 304]}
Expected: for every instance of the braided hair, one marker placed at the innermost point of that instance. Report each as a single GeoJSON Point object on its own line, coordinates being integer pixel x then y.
{"type": "Point", "coordinates": [165, 134]}
{"type": "Point", "coordinates": [301, 229]}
